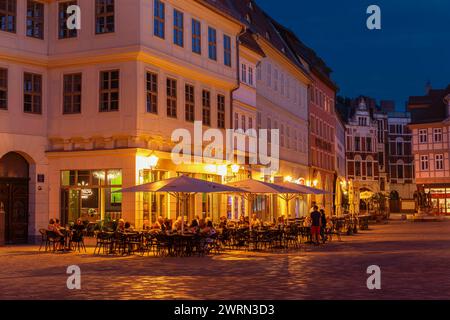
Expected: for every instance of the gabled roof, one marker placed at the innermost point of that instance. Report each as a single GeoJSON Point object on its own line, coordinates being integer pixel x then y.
{"type": "Point", "coordinates": [317, 65]}
{"type": "Point", "coordinates": [261, 24]}
{"type": "Point", "coordinates": [248, 41]}
{"type": "Point", "coordinates": [429, 108]}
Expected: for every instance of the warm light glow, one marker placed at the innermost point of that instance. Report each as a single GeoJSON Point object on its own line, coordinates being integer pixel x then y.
{"type": "Point", "coordinates": [288, 179]}
{"type": "Point", "coordinates": [235, 168]}
{"type": "Point", "coordinates": [211, 168]}
{"type": "Point", "coordinates": [222, 170]}
{"type": "Point", "coordinates": [153, 161]}
{"type": "Point", "coordinates": [315, 182]}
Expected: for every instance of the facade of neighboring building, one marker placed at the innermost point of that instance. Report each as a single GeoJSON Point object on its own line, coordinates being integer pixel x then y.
{"type": "Point", "coordinates": [363, 170]}
{"type": "Point", "coordinates": [322, 120]}
{"type": "Point", "coordinates": [400, 155]}
{"type": "Point", "coordinates": [431, 136]}
{"type": "Point", "coordinates": [341, 188]}
{"type": "Point", "coordinates": [282, 104]}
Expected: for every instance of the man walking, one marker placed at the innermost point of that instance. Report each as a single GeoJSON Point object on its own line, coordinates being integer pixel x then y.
{"type": "Point", "coordinates": [316, 223]}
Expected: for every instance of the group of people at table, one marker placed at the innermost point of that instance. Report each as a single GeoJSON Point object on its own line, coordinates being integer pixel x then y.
{"type": "Point", "coordinates": [316, 221]}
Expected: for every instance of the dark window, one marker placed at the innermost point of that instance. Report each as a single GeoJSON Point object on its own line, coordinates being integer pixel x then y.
{"type": "Point", "coordinates": [104, 16]}
{"type": "Point", "coordinates": [358, 168]}
{"type": "Point", "coordinates": [212, 43]}
{"type": "Point", "coordinates": [35, 19]}
{"type": "Point", "coordinates": [152, 93]}
{"type": "Point", "coordinates": [206, 111]}
{"type": "Point", "coordinates": [65, 32]}
{"type": "Point", "coordinates": [196, 36]}
{"type": "Point", "coordinates": [3, 89]}
{"type": "Point", "coordinates": [72, 93]}
{"type": "Point", "coordinates": [178, 28]}
{"type": "Point", "coordinates": [189, 103]}
{"type": "Point", "coordinates": [159, 22]}
{"type": "Point", "coordinates": [227, 50]}
{"type": "Point", "coordinates": [399, 148]}
{"type": "Point", "coordinates": [171, 98]}
{"type": "Point", "coordinates": [8, 13]}
{"type": "Point", "coordinates": [32, 93]}
{"type": "Point", "coordinates": [221, 111]}
{"type": "Point", "coordinates": [369, 144]}
{"type": "Point", "coordinates": [369, 169]}
{"type": "Point", "coordinates": [357, 144]}
{"type": "Point", "coordinates": [400, 171]}
{"type": "Point", "coordinates": [109, 91]}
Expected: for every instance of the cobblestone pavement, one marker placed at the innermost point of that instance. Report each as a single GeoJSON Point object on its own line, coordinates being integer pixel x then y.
{"type": "Point", "coordinates": [414, 259]}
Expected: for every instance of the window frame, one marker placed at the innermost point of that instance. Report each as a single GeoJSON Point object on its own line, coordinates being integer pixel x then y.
{"type": "Point", "coordinates": [423, 133]}
{"type": "Point", "coordinates": [189, 103]}
{"type": "Point", "coordinates": [159, 19]}
{"type": "Point", "coordinates": [151, 88]}
{"type": "Point", "coordinates": [100, 16]}
{"type": "Point", "coordinates": [221, 111]}
{"type": "Point", "coordinates": [439, 159]}
{"type": "Point", "coordinates": [109, 91]}
{"type": "Point", "coordinates": [171, 98]}
{"type": "Point", "coordinates": [212, 43]}
{"type": "Point", "coordinates": [72, 93]}
{"type": "Point", "coordinates": [196, 36]}
{"type": "Point", "coordinates": [35, 95]}
{"type": "Point", "coordinates": [7, 13]}
{"type": "Point", "coordinates": [37, 26]}
{"type": "Point", "coordinates": [206, 108]}
{"type": "Point", "coordinates": [227, 51]}
{"type": "Point", "coordinates": [63, 31]}
{"type": "Point", "coordinates": [178, 28]}
{"type": "Point", "coordinates": [4, 77]}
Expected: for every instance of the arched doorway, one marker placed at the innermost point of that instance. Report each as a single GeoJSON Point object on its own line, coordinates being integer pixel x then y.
{"type": "Point", "coordinates": [14, 179]}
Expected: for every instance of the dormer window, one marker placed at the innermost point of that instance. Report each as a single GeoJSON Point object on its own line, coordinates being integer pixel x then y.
{"type": "Point", "coordinates": [248, 18]}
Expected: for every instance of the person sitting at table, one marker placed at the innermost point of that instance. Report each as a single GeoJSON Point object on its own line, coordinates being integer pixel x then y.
{"type": "Point", "coordinates": [121, 226]}
{"type": "Point", "coordinates": [146, 225]}
{"type": "Point", "coordinates": [242, 222]}
{"type": "Point", "coordinates": [78, 226]}
{"type": "Point", "coordinates": [194, 227]}
{"type": "Point", "coordinates": [255, 223]}
{"type": "Point", "coordinates": [167, 225]}
{"type": "Point", "coordinates": [53, 227]}
{"type": "Point", "coordinates": [55, 232]}
{"type": "Point", "coordinates": [128, 227]}
{"type": "Point", "coordinates": [223, 222]}
{"type": "Point", "coordinates": [208, 229]}
{"type": "Point", "coordinates": [58, 224]}
{"type": "Point", "coordinates": [178, 224]}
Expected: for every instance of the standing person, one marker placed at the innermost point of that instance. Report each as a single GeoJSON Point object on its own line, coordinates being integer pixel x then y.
{"type": "Point", "coordinates": [315, 225]}
{"type": "Point", "coordinates": [323, 222]}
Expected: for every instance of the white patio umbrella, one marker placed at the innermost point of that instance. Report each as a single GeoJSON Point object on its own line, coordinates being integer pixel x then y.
{"type": "Point", "coordinates": [254, 187]}
{"type": "Point", "coordinates": [181, 188]}
{"type": "Point", "coordinates": [302, 189]}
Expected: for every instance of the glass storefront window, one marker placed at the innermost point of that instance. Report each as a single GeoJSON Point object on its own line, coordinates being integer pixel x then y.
{"type": "Point", "coordinates": [85, 194]}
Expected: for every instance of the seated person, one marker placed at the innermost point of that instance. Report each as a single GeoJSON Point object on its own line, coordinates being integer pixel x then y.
{"type": "Point", "coordinates": [58, 224]}
{"type": "Point", "coordinates": [242, 222]}
{"type": "Point", "coordinates": [194, 227]}
{"type": "Point", "coordinates": [146, 225]}
{"type": "Point", "coordinates": [121, 226]}
{"type": "Point", "coordinates": [223, 222]}
{"type": "Point", "coordinates": [178, 224]}
{"type": "Point", "coordinates": [52, 227]}
{"type": "Point", "coordinates": [255, 223]}
{"type": "Point", "coordinates": [208, 229]}
{"type": "Point", "coordinates": [128, 227]}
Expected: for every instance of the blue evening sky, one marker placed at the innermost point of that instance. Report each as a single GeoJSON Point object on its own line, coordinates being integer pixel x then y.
{"type": "Point", "coordinates": [394, 63]}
